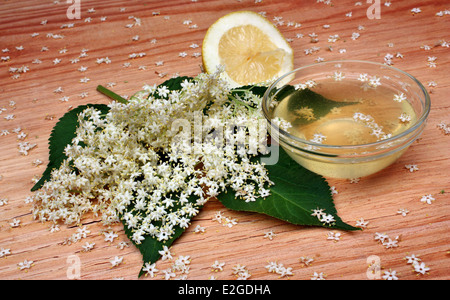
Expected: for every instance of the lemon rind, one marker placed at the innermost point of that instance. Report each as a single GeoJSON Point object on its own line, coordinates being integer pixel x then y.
{"type": "Point", "coordinates": [210, 47]}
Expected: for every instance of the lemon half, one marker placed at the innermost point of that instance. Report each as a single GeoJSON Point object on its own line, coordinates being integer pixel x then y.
{"type": "Point", "coordinates": [251, 49]}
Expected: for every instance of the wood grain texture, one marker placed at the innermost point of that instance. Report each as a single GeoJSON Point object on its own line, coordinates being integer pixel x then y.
{"type": "Point", "coordinates": [163, 35]}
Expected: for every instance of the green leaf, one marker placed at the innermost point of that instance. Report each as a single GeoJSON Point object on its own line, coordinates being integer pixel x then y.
{"type": "Point", "coordinates": [175, 83]}
{"type": "Point", "coordinates": [295, 194]}
{"type": "Point", "coordinates": [150, 246]}
{"type": "Point", "coordinates": [256, 90]}
{"type": "Point", "coordinates": [62, 135]}
{"type": "Point", "coordinates": [305, 98]}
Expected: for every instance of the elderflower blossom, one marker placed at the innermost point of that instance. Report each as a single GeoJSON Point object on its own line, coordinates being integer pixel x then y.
{"type": "Point", "coordinates": [386, 241]}
{"type": "Point", "coordinates": [279, 268]}
{"type": "Point", "coordinates": [324, 218]}
{"type": "Point", "coordinates": [134, 164]}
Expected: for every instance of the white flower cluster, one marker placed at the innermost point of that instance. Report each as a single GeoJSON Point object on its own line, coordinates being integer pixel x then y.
{"type": "Point", "coordinates": [279, 268]}
{"type": "Point", "coordinates": [369, 121]}
{"type": "Point", "coordinates": [386, 241]}
{"type": "Point", "coordinates": [324, 218]}
{"type": "Point", "coordinates": [136, 165]}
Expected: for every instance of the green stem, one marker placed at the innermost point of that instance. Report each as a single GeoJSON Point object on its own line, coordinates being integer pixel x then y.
{"type": "Point", "coordinates": [111, 94]}
{"type": "Point", "coordinates": [240, 102]}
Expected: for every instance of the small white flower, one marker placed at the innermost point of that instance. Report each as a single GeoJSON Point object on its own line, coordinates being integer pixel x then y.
{"type": "Point", "coordinates": [15, 223]}
{"type": "Point", "coordinates": [26, 264]}
{"type": "Point", "coordinates": [363, 77]}
{"type": "Point", "coordinates": [399, 97]}
{"type": "Point", "coordinates": [412, 259]}
{"type": "Point", "coordinates": [269, 235]}
{"type": "Point", "coordinates": [58, 90]}
{"type": "Point", "coordinates": [391, 243]}
{"type": "Point", "coordinates": [421, 268]}
{"type": "Point", "coordinates": [199, 229]}
{"type": "Point", "coordinates": [361, 223]}
{"type": "Point", "coordinates": [217, 266]}
{"type": "Point", "coordinates": [318, 138]}
{"type": "Point", "coordinates": [272, 266]}
{"type": "Point", "coordinates": [380, 237]}
{"type": "Point", "coordinates": [150, 269]}
{"type": "Point", "coordinates": [390, 275]}
{"type": "Point", "coordinates": [306, 261]}
{"type": "Point", "coordinates": [88, 246]}
{"type": "Point", "coordinates": [163, 91]}
{"type": "Point", "coordinates": [404, 118]}
{"type": "Point", "coordinates": [283, 271]}
{"type": "Point", "coordinates": [333, 38]}
{"type": "Point", "coordinates": [427, 199]}
{"type": "Point", "coordinates": [412, 167]}
{"type": "Point", "coordinates": [338, 76]}
{"type": "Point", "coordinates": [318, 276]}
{"type": "Point", "coordinates": [334, 236]}
{"type": "Point", "coordinates": [281, 123]}
{"type": "Point", "coordinates": [168, 274]}
{"type": "Point", "coordinates": [3, 201]}
{"type": "Point", "coordinates": [116, 261]}
{"type": "Point", "coordinates": [374, 81]}
{"type": "Point", "coordinates": [4, 252]}
{"type": "Point", "coordinates": [122, 245]}
{"type": "Point", "coordinates": [333, 190]}
{"type": "Point", "coordinates": [110, 236]}
{"type": "Point", "coordinates": [403, 211]}
{"type": "Point", "coordinates": [84, 95]}
{"type": "Point", "coordinates": [355, 180]}
{"type": "Point", "coordinates": [165, 253]}
{"type": "Point", "coordinates": [9, 117]}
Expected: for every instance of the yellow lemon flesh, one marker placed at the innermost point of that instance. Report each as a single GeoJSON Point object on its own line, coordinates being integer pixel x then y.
{"type": "Point", "coordinates": [251, 49]}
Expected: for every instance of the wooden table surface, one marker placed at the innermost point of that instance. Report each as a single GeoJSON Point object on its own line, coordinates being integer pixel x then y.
{"type": "Point", "coordinates": [41, 38]}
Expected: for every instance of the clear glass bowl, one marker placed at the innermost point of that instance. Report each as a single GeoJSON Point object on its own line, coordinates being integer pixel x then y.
{"type": "Point", "coordinates": [364, 91]}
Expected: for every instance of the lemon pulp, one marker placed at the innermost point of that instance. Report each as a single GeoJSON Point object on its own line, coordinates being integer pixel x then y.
{"type": "Point", "coordinates": [249, 47]}
{"type": "Point", "coordinates": [249, 55]}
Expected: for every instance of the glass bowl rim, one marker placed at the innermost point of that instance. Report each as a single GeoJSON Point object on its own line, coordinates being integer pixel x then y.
{"type": "Point", "coordinates": [282, 133]}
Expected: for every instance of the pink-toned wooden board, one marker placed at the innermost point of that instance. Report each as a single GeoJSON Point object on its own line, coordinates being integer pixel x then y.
{"type": "Point", "coordinates": [167, 31]}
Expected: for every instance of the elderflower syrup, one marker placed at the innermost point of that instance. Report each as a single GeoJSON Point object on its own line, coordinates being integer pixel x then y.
{"type": "Point", "coordinates": [346, 124]}
{"type": "Point", "coordinates": [354, 116]}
